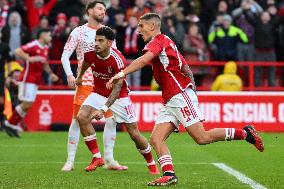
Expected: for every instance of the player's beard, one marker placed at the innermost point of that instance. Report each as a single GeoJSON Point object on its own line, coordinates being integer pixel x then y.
{"type": "Point", "coordinates": [98, 19]}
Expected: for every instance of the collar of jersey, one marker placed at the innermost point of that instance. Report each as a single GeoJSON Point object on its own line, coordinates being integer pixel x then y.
{"type": "Point", "coordinates": [106, 56]}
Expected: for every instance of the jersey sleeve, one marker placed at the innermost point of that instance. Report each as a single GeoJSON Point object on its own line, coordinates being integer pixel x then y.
{"type": "Point", "coordinates": [120, 62]}
{"type": "Point", "coordinates": [72, 41]}
{"type": "Point", "coordinates": [28, 48]}
{"type": "Point", "coordinates": [183, 61]}
{"type": "Point", "coordinates": [69, 48]}
{"type": "Point", "coordinates": [155, 46]}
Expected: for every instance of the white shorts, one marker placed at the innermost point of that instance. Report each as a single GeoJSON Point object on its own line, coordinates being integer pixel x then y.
{"type": "Point", "coordinates": [27, 92]}
{"type": "Point", "coordinates": [122, 109]}
{"type": "Point", "coordinates": [182, 108]}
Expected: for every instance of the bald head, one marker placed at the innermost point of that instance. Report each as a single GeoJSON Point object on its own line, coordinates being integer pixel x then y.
{"type": "Point", "coordinates": [152, 17]}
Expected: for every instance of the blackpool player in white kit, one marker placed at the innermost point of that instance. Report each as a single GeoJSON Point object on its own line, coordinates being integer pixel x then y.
{"type": "Point", "coordinates": [82, 39]}
{"type": "Point", "coordinates": [175, 78]}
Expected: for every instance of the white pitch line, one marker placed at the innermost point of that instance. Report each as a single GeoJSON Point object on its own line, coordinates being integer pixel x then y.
{"type": "Point", "coordinates": [241, 177]}
{"type": "Point", "coordinates": [85, 162]}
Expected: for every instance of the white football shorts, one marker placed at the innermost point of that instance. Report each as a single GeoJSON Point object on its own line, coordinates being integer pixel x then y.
{"type": "Point", "coordinates": [182, 108]}
{"type": "Point", "coordinates": [27, 92]}
{"type": "Point", "coordinates": [122, 109]}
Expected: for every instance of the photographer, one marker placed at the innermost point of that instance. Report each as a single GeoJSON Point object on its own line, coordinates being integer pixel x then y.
{"type": "Point", "coordinates": [225, 37]}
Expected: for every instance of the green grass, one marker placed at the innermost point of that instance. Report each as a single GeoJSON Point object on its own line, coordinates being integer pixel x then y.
{"type": "Point", "coordinates": [35, 160]}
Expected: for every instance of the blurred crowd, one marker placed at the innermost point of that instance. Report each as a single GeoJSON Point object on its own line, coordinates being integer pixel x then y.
{"type": "Point", "coordinates": [221, 30]}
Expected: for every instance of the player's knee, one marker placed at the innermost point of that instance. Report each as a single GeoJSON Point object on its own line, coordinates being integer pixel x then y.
{"type": "Point", "coordinates": [82, 118]}
{"type": "Point", "coordinates": [154, 141]}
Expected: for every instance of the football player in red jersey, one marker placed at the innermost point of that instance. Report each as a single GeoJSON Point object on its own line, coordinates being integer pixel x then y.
{"type": "Point", "coordinates": [35, 54]}
{"type": "Point", "coordinates": [105, 62]}
{"type": "Point", "coordinates": [175, 78]}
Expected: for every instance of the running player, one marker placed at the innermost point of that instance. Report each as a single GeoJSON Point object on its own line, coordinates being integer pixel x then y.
{"type": "Point", "coordinates": [82, 39]}
{"type": "Point", "coordinates": [105, 62]}
{"type": "Point", "coordinates": [35, 55]}
{"type": "Point", "coordinates": [175, 78]}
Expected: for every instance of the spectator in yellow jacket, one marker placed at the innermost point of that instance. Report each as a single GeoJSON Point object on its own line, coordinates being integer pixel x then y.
{"type": "Point", "coordinates": [229, 80]}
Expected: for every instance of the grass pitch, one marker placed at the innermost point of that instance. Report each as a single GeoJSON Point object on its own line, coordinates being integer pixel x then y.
{"type": "Point", "coordinates": [35, 160]}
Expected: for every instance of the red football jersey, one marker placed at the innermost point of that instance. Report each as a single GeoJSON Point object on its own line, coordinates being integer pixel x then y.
{"type": "Point", "coordinates": [104, 69]}
{"type": "Point", "coordinates": [33, 70]}
{"type": "Point", "coordinates": [167, 66]}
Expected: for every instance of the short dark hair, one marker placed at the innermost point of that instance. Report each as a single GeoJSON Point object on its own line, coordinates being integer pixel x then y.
{"type": "Point", "coordinates": [92, 4]}
{"type": "Point", "coordinates": [107, 32]}
{"type": "Point", "coordinates": [149, 16]}
{"type": "Point", "coordinates": [40, 31]}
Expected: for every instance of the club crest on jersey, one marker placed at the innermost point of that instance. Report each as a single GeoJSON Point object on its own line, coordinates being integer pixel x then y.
{"type": "Point", "coordinates": [109, 69]}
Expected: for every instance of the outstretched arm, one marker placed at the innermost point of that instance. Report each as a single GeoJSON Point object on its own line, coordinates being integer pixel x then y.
{"type": "Point", "coordinates": [187, 71]}
{"type": "Point", "coordinates": [134, 66]}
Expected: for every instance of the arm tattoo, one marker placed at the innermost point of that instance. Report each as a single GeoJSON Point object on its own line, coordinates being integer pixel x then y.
{"type": "Point", "coordinates": [115, 92]}
{"type": "Point", "coordinates": [187, 72]}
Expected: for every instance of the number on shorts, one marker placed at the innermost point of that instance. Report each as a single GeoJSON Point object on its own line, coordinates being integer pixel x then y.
{"type": "Point", "coordinates": [185, 112]}
{"type": "Point", "coordinates": [129, 109]}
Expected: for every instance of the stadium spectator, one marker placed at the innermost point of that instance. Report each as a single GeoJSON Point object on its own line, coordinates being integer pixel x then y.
{"type": "Point", "coordinates": [229, 80]}
{"type": "Point", "coordinates": [172, 27]}
{"type": "Point", "coordinates": [111, 12]}
{"type": "Point", "coordinates": [15, 33]}
{"type": "Point", "coordinates": [264, 49]}
{"type": "Point", "coordinates": [126, 4]}
{"type": "Point", "coordinates": [195, 49]}
{"type": "Point", "coordinates": [43, 24]}
{"type": "Point", "coordinates": [18, 6]}
{"type": "Point", "coordinates": [173, 10]}
{"type": "Point", "coordinates": [246, 50]}
{"type": "Point", "coordinates": [37, 8]}
{"type": "Point", "coordinates": [207, 13]}
{"type": "Point", "coordinates": [226, 38]}
{"type": "Point", "coordinates": [157, 6]}
{"type": "Point", "coordinates": [105, 62]}
{"type": "Point", "coordinates": [133, 45]}
{"type": "Point", "coordinates": [84, 43]}
{"type": "Point", "coordinates": [12, 82]}
{"type": "Point", "coordinates": [4, 58]}
{"type": "Point", "coordinates": [280, 34]}
{"type": "Point", "coordinates": [68, 7]}
{"type": "Point", "coordinates": [58, 36]}
{"type": "Point", "coordinates": [222, 7]}
{"type": "Point", "coordinates": [138, 10]}
{"type": "Point", "coordinates": [35, 54]}
{"type": "Point", "coordinates": [179, 97]}
{"type": "Point", "coordinates": [119, 28]}
{"type": "Point", "coordinates": [194, 46]}
{"type": "Point", "coordinates": [4, 9]}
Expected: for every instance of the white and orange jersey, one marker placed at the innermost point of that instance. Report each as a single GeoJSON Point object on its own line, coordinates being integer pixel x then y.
{"type": "Point", "coordinates": [82, 39]}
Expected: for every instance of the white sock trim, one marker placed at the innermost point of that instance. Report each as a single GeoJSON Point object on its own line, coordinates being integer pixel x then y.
{"type": "Point", "coordinates": [230, 133]}
{"type": "Point", "coordinates": [147, 150]}
{"type": "Point", "coordinates": [151, 163]}
{"type": "Point", "coordinates": [97, 155]}
{"type": "Point", "coordinates": [7, 124]}
{"type": "Point", "coordinates": [164, 157]}
{"type": "Point", "coordinates": [90, 137]}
